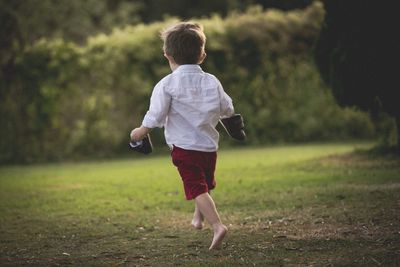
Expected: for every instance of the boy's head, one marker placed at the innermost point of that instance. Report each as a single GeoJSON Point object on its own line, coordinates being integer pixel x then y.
{"type": "Point", "coordinates": [184, 42]}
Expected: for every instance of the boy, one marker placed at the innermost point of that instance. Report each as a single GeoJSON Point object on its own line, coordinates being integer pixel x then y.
{"type": "Point", "coordinates": [188, 103]}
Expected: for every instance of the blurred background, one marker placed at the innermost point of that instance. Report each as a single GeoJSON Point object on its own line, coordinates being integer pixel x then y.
{"type": "Point", "coordinates": [76, 76]}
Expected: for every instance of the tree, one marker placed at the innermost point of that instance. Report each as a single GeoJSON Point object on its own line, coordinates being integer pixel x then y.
{"type": "Point", "coordinates": [152, 10]}
{"type": "Point", "coordinates": [356, 52]}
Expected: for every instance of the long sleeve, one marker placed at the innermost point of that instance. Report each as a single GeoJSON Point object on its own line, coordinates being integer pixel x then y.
{"type": "Point", "coordinates": [226, 106]}
{"type": "Point", "coordinates": [159, 106]}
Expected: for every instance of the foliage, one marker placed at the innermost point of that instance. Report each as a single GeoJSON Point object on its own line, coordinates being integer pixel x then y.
{"type": "Point", "coordinates": [26, 21]}
{"type": "Point", "coordinates": [66, 100]}
{"type": "Point", "coordinates": [71, 20]}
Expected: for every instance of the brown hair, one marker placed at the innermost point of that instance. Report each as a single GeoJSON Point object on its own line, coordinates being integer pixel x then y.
{"type": "Point", "coordinates": [185, 42]}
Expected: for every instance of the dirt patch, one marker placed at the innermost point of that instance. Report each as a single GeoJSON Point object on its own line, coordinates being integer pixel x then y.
{"type": "Point", "coordinates": [303, 237]}
{"type": "Point", "coordinates": [359, 160]}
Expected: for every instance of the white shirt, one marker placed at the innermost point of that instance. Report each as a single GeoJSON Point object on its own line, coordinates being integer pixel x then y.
{"type": "Point", "coordinates": [188, 103]}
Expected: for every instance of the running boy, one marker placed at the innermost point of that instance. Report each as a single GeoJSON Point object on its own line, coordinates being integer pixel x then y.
{"type": "Point", "coordinates": [188, 103]}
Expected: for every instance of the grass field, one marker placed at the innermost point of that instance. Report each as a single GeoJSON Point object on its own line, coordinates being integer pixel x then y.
{"type": "Point", "coordinates": [304, 205]}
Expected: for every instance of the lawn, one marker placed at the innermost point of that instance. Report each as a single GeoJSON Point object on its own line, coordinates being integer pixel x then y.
{"type": "Point", "coordinates": [303, 205]}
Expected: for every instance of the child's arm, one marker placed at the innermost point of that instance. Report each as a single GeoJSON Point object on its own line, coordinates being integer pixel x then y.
{"type": "Point", "coordinates": [226, 106]}
{"type": "Point", "coordinates": [138, 134]}
{"type": "Point", "coordinates": [156, 115]}
{"type": "Point", "coordinates": [160, 102]}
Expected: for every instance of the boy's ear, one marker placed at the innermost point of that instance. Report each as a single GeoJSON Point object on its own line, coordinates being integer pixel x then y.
{"type": "Point", "coordinates": [170, 58]}
{"type": "Point", "coordinates": [203, 56]}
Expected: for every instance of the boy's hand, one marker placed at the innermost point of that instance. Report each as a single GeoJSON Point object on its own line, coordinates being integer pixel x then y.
{"type": "Point", "coordinates": [143, 146]}
{"type": "Point", "coordinates": [138, 134]}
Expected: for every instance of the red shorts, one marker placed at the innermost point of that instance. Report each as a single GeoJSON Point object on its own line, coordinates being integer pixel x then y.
{"type": "Point", "coordinates": [196, 169]}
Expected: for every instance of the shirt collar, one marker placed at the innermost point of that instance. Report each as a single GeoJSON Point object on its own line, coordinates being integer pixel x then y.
{"type": "Point", "coordinates": [188, 68]}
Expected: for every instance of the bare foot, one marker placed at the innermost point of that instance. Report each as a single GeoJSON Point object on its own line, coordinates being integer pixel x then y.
{"type": "Point", "coordinates": [219, 234]}
{"type": "Point", "coordinates": [198, 219]}
{"type": "Point", "coordinates": [197, 224]}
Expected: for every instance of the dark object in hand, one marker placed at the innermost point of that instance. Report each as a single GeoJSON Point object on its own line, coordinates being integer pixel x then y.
{"type": "Point", "coordinates": [143, 146]}
{"type": "Point", "coordinates": [234, 126]}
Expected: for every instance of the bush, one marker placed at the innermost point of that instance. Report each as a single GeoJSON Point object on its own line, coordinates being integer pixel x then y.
{"type": "Point", "coordinates": [66, 100]}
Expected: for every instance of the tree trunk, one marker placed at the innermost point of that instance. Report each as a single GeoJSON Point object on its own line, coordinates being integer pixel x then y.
{"type": "Point", "coordinates": [397, 120]}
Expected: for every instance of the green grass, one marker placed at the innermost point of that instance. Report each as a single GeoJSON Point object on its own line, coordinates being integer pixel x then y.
{"type": "Point", "coordinates": [304, 205]}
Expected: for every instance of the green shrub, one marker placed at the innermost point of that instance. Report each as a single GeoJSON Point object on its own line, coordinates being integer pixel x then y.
{"type": "Point", "coordinates": [66, 100]}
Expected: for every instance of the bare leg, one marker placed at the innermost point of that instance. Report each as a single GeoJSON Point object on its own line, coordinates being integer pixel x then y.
{"type": "Point", "coordinates": [206, 205]}
{"type": "Point", "coordinates": [198, 218]}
